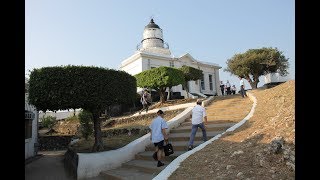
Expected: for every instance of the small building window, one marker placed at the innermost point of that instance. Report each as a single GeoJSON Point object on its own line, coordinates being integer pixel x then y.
{"type": "Point", "coordinates": [202, 83]}
{"type": "Point", "coordinates": [210, 82]}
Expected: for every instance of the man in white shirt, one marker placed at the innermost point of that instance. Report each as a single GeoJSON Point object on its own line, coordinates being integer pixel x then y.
{"type": "Point", "coordinates": [198, 114]}
{"type": "Point", "coordinates": [222, 88]}
{"type": "Point", "coordinates": [158, 135]}
{"type": "Point", "coordinates": [228, 86]}
{"type": "Point", "coordinates": [242, 91]}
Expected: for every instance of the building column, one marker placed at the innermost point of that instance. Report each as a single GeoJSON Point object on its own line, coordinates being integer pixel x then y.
{"type": "Point", "coordinates": [217, 78]}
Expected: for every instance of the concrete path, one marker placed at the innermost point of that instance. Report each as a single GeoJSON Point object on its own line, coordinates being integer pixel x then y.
{"type": "Point", "coordinates": [48, 167]}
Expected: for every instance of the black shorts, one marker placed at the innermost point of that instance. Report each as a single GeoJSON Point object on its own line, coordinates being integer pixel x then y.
{"type": "Point", "coordinates": [159, 144]}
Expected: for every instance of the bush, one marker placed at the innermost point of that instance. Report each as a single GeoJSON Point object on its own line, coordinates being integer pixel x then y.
{"type": "Point", "coordinates": [48, 121]}
{"type": "Point", "coordinates": [86, 126]}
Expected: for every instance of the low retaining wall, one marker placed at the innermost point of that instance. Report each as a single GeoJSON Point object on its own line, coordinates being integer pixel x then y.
{"type": "Point", "coordinates": [91, 164]}
{"type": "Point", "coordinates": [52, 143]}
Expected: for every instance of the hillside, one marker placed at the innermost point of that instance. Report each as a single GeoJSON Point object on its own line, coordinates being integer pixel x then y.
{"type": "Point", "coordinates": [262, 148]}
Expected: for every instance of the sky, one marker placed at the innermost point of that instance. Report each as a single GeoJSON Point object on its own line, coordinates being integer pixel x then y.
{"type": "Point", "coordinates": [103, 33]}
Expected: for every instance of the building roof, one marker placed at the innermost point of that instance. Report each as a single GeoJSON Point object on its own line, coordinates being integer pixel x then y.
{"type": "Point", "coordinates": [152, 25]}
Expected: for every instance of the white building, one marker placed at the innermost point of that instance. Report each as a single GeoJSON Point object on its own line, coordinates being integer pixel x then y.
{"type": "Point", "coordinates": [31, 129]}
{"type": "Point", "coordinates": [153, 52]}
{"type": "Point", "coordinates": [275, 78]}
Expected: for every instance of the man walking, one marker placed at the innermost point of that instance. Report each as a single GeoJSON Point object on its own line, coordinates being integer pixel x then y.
{"type": "Point", "coordinates": [242, 91]}
{"type": "Point", "coordinates": [198, 114]}
{"type": "Point", "coordinates": [222, 88]}
{"type": "Point", "coordinates": [145, 101]}
{"type": "Point", "coordinates": [158, 135]}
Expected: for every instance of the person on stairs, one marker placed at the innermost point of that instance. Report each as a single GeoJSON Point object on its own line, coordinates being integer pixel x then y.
{"type": "Point", "coordinates": [158, 134]}
{"type": "Point", "coordinates": [145, 101]}
{"type": "Point", "coordinates": [198, 114]}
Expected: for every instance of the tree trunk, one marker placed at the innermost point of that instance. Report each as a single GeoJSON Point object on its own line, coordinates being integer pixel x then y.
{"type": "Point", "coordinates": [98, 143]}
{"type": "Point", "coordinates": [186, 87]}
{"type": "Point", "coordinates": [169, 94]}
{"type": "Point", "coordinates": [162, 95]}
{"type": "Point", "coordinates": [249, 80]}
{"type": "Point", "coordinates": [253, 83]}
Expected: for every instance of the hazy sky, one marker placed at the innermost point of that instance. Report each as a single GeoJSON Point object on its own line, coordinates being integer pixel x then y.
{"type": "Point", "coordinates": [105, 32]}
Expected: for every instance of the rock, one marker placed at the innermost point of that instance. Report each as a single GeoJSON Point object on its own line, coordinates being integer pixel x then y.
{"type": "Point", "coordinates": [262, 163]}
{"type": "Point", "coordinates": [291, 165]}
{"type": "Point", "coordinates": [229, 166]}
{"type": "Point", "coordinates": [239, 174]}
{"type": "Point", "coordinates": [236, 153]}
{"type": "Point", "coordinates": [276, 145]}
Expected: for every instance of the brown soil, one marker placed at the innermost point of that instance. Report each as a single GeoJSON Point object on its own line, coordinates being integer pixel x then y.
{"type": "Point", "coordinates": [262, 148]}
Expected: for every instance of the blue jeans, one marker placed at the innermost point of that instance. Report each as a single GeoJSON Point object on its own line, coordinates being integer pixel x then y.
{"type": "Point", "coordinates": [194, 131]}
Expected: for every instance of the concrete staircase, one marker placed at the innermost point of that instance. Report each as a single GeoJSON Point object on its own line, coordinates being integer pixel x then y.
{"type": "Point", "coordinates": [144, 167]}
{"type": "Point", "coordinates": [223, 113]}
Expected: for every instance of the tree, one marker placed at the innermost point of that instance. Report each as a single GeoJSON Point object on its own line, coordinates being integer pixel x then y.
{"type": "Point", "coordinates": [159, 79]}
{"type": "Point", "coordinates": [257, 62]}
{"type": "Point", "coordinates": [190, 74]}
{"type": "Point", "coordinates": [89, 88]}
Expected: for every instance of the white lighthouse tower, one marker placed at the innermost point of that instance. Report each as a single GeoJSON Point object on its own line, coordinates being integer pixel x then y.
{"type": "Point", "coordinates": [153, 52]}
{"type": "Point", "coordinates": [153, 40]}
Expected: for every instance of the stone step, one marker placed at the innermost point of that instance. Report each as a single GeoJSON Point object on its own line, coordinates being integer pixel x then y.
{"type": "Point", "coordinates": [209, 127]}
{"type": "Point", "coordinates": [177, 145]}
{"type": "Point", "coordinates": [126, 174]}
{"type": "Point", "coordinates": [147, 155]}
{"type": "Point", "coordinates": [184, 136]}
{"type": "Point", "coordinates": [214, 122]}
{"type": "Point", "coordinates": [145, 165]}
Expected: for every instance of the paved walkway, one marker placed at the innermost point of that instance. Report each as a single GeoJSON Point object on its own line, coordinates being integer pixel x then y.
{"type": "Point", "coordinates": [48, 167]}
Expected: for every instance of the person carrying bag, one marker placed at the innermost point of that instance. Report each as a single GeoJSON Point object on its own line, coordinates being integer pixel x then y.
{"type": "Point", "coordinates": [168, 148]}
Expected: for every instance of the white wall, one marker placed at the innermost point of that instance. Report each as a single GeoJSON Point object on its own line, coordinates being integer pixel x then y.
{"type": "Point", "coordinates": [134, 67]}
{"type": "Point", "coordinates": [91, 164]}
{"type": "Point", "coordinates": [275, 77]}
{"type": "Point", "coordinates": [144, 61]}
{"type": "Point", "coordinates": [58, 114]}
{"type": "Point", "coordinates": [30, 142]}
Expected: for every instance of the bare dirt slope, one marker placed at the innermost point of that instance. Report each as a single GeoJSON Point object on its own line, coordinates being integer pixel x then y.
{"type": "Point", "coordinates": [262, 148]}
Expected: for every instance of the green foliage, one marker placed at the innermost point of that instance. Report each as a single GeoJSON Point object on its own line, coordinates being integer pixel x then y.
{"type": "Point", "coordinates": [89, 88]}
{"type": "Point", "coordinates": [191, 73]}
{"type": "Point", "coordinates": [257, 62]}
{"type": "Point", "coordinates": [86, 126]}
{"type": "Point", "coordinates": [48, 121]}
{"type": "Point", "coordinates": [159, 79]}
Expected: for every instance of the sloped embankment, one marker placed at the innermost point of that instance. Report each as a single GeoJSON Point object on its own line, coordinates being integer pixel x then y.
{"type": "Point", "coordinates": [263, 148]}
